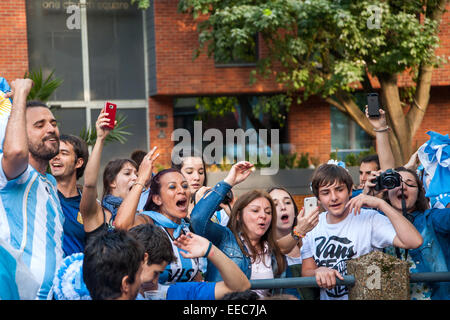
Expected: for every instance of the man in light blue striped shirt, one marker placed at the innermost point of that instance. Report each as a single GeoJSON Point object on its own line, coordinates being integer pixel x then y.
{"type": "Point", "coordinates": [31, 218]}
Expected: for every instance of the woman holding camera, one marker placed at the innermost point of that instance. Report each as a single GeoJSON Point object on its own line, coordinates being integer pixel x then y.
{"type": "Point", "coordinates": [433, 224]}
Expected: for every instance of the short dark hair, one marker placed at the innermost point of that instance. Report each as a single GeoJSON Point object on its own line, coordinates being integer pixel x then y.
{"type": "Point", "coordinates": [156, 243]}
{"type": "Point", "coordinates": [244, 295]}
{"type": "Point", "coordinates": [327, 174]}
{"type": "Point", "coordinates": [108, 257]}
{"type": "Point", "coordinates": [36, 104]}
{"type": "Point", "coordinates": [137, 156]}
{"type": "Point", "coordinates": [80, 148]}
{"type": "Point", "coordinates": [371, 158]}
{"type": "Point", "coordinates": [111, 171]}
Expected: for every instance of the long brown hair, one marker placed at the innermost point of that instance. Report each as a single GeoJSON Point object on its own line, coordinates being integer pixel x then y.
{"type": "Point", "coordinates": [237, 226]}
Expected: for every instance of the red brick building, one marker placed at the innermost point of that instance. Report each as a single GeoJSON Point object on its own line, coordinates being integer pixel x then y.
{"type": "Point", "coordinates": [144, 62]}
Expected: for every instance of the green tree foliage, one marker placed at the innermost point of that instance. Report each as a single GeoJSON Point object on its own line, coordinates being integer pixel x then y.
{"type": "Point", "coordinates": [141, 4]}
{"type": "Point", "coordinates": [331, 49]}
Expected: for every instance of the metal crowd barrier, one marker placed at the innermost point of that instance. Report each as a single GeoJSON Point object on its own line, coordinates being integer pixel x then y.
{"type": "Point", "coordinates": [349, 280]}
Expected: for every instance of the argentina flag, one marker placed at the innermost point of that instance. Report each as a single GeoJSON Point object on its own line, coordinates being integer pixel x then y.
{"type": "Point", "coordinates": [434, 155]}
{"type": "Point", "coordinates": [5, 109]}
{"type": "Point", "coordinates": [16, 280]}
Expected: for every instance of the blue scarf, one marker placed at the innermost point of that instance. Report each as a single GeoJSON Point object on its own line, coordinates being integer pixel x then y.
{"type": "Point", "coordinates": [112, 204]}
{"type": "Point", "coordinates": [165, 222]}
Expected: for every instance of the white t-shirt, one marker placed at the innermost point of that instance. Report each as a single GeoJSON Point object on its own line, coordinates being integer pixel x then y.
{"type": "Point", "coordinates": [332, 244]}
{"type": "Point", "coordinates": [262, 269]}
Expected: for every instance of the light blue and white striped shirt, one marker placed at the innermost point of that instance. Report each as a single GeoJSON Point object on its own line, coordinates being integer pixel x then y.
{"type": "Point", "coordinates": [31, 221]}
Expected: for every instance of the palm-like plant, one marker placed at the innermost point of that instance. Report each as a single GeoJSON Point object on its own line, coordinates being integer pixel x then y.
{"type": "Point", "coordinates": [43, 88]}
{"type": "Point", "coordinates": [116, 135]}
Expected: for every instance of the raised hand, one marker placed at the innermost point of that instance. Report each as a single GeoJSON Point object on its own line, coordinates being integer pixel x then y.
{"type": "Point", "coordinates": [369, 185]}
{"type": "Point", "coordinates": [101, 125]}
{"type": "Point", "coordinates": [363, 200]}
{"type": "Point", "coordinates": [238, 173]}
{"type": "Point", "coordinates": [412, 163]}
{"type": "Point", "coordinates": [195, 245]}
{"type": "Point", "coordinates": [306, 223]}
{"type": "Point", "coordinates": [146, 166]}
{"type": "Point", "coordinates": [379, 122]}
{"type": "Point", "coordinates": [20, 86]}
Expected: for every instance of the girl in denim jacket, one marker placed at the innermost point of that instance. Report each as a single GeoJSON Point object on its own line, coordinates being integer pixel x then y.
{"type": "Point", "coordinates": [249, 238]}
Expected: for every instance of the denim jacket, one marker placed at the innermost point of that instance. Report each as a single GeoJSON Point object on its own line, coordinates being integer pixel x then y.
{"type": "Point", "coordinates": [222, 237]}
{"type": "Point", "coordinates": [433, 255]}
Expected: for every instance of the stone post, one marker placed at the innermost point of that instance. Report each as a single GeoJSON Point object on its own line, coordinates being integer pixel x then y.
{"type": "Point", "coordinates": [379, 276]}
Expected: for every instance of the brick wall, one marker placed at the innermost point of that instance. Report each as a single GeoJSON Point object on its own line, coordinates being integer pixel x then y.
{"type": "Point", "coordinates": [437, 117]}
{"type": "Point", "coordinates": [177, 73]}
{"type": "Point", "coordinates": [13, 30]}
{"type": "Point", "coordinates": [310, 129]}
{"type": "Point", "coordinates": [160, 136]}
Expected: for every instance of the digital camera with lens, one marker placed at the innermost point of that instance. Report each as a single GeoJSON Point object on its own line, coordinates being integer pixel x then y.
{"type": "Point", "coordinates": [388, 179]}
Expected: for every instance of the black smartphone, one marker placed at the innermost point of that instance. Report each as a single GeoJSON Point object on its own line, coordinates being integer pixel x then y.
{"type": "Point", "coordinates": [373, 105]}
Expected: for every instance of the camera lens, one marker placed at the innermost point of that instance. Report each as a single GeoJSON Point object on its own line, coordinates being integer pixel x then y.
{"type": "Point", "coordinates": [389, 183]}
{"type": "Point", "coordinates": [110, 106]}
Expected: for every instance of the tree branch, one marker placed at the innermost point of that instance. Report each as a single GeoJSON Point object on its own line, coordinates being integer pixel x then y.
{"type": "Point", "coordinates": [355, 112]}
{"type": "Point", "coordinates": [336, 104]}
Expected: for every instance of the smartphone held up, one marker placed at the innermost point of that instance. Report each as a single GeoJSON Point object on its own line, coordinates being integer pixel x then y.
{"type": "Point", "coordinates": [310, 204]}
{"type": "Point", "coordinates": [111, 109]}
{"type": "Point", "coordinates": [373, 105]}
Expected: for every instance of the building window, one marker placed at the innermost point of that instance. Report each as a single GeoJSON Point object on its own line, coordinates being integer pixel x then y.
{"type": "Point", "coordinates": [102, 59]}
{"type": "Point", "coordinates": [185, 113]}
{"type": "Point", "coordinates": [53, 46]}
{"type": "Point", "coordinates": [346, 136]}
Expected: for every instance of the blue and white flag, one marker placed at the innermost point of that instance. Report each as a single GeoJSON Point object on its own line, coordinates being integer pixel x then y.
{"type": "Point", "coordinates": [5, 109]}
{"type": "Point", "coordinates": [68, 283]}
{"type": "Point", "coordinates": [16, 279]}
{"type": "Point", "coordinates": [434, 155]}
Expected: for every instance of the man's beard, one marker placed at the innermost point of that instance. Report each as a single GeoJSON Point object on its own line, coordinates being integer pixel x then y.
{"type": "Point", "coordinates": [41, 152]}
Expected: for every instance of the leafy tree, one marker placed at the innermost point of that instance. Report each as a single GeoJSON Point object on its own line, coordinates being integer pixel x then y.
{"type": "Point", "coordinates": [142, 4]}
{"type": "Point", "coordinates": [331, 49]}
